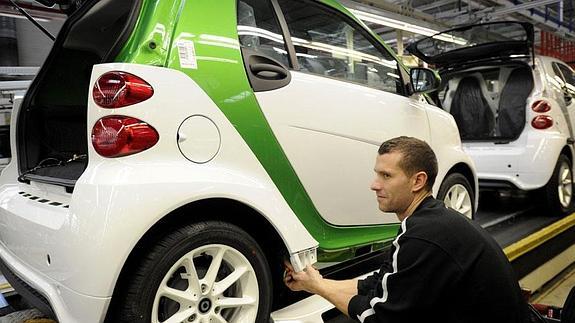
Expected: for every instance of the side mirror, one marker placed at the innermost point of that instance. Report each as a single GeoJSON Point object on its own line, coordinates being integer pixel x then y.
{"type": "Point", "coordinates": [424, 80]}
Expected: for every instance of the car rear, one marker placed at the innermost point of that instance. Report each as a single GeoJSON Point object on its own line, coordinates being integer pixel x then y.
{"type": "Point", "coordinates": [498, 94]}
{"type": "Point", "coordinates": [40, 227]}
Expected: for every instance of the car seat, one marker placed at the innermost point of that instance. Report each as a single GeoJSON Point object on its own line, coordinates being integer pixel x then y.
{"type": "Point", "coordinates": [471, 111]}
{"type": "Point", "coordinates": [512, 102]}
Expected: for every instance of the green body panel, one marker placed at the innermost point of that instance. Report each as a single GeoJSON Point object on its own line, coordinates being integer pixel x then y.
{"type": "Point", "coordinates": [221, 74]}
{"type": "Point", "coordinates": [151, 39]}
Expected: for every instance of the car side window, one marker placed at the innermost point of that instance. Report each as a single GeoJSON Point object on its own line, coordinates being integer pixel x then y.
{"type": "Point", "coordinates": [557, 71]}
{"type": "Point", "coordinates": [259, 30]}
{"type": "Point", "coordinates": [567, 74]}
{"type": "Point", "coordinates": [329, 44]}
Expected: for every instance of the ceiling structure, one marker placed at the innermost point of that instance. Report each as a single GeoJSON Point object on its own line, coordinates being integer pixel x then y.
{"type": "Point", "coordinates": [555, 16]}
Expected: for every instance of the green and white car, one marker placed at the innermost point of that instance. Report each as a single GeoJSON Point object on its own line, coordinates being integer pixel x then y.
{"type": "Point", "coordinates": [171, 154]}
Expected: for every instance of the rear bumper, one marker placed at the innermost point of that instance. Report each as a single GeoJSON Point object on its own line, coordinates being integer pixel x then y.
{"type": "Point", "coordinates": [28, 292]}
{"type": "Point", "coordinates": [526, 163]}
{"type": "Point", "coordinates": [49, 296]}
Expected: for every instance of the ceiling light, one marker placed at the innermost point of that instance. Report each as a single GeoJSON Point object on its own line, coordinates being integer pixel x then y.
{"type": "Point", "coordinates": [397, 24]}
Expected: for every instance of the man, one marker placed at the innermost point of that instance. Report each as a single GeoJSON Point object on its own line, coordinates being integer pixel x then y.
{"type": "Point", "coordinates": [441, 268]}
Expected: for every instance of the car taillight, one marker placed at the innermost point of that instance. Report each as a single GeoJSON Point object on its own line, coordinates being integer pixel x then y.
{"type": "Point", "coordinates": [119, 89]}
{"type": "Point", "coordinates": [541, 106]}
{"type": "Point", "coordinates": [116, 136]}
{"type": "Point", "coordinates": [542, 122]}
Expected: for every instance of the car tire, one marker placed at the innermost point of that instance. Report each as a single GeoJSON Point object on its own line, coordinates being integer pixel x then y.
{"type": "Point", "coordinates": [203, 272]}
{"type": "Point", "coordinates": [456, 193]}
{"type": "Point", "coordinates": [559, 190]}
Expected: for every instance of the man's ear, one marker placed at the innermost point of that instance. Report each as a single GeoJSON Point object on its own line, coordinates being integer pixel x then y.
{"type": "Point", "coordinates": [419, 181]}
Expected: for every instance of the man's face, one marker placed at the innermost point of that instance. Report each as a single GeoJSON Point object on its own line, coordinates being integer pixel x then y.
{"type": "Point", "coordinates": [391, 185]}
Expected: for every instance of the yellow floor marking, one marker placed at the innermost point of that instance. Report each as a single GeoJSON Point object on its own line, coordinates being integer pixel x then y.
{"type": "Point", "coordinates": [534, 240]}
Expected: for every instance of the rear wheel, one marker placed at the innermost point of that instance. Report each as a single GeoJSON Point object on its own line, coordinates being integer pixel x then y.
{"type": "Point", "coordinates": [456, 193]}
{"type": "Point", "coordinates": [559, 189]}
{"type": "Point", "coordinates": [207, 272]}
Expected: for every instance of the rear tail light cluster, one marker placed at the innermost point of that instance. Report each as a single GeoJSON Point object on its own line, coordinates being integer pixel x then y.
{"type": "Point", "coordinates": [116, 136]}
{"type": "Point", "coordinates": [541, 106]}
{"type": "Point", "coordinates": [542, 121]}
{"type": "Point", "coordinates": [119, 89]}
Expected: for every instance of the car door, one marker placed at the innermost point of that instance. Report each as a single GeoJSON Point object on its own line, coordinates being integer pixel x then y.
{"type": "Point", "coordinates": [343, 98]}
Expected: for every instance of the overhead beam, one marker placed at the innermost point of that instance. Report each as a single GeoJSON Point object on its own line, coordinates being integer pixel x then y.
{"type": "Point", "coordinates": [434, 4]}
{"type": "Point", "coordinates": [520, 7]}
{"type": "Point", "coordinates": [535, 18]}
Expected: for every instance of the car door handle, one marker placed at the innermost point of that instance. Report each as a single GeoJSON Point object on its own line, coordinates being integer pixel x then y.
{"type": "Point", "coordinates": [260, 68]}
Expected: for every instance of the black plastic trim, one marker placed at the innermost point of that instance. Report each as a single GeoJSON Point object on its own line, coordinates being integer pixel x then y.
{"type": "Point", "coordinates": [270, 78]}
{"type": "Point", "coordinates": [29, 293]}
{"type": "Point", "coordinates": [358, 265]}
{"type": "Point", "coordinates": [125, 33]}
{"type": "Point", "coordinates": [495, 184]}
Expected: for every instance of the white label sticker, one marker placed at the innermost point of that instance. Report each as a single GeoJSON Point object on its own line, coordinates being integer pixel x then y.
{"type": "Point", "coordinates": [187, 54]}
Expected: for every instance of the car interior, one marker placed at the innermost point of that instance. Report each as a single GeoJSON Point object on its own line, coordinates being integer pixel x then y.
{"type": "Point", "coordinates": [487, 103]}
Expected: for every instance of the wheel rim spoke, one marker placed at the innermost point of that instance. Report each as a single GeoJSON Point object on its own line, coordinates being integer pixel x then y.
{"type": "Point", "coordinates": [191, 274]}
{"type": "Point", "coordinates": [458, 198]}
{"type": "Point", "coordinates": [218, 319]}
{"type": "Point", "coordinates": [180, 296]}
{"type": "Point", "coordinates": [225, 283]}
{"type": "Point", "coordinates": [212, 273]}
{"type": "Point", "coordinates": [180, 316]}
{"type": "Point", "coordinates": [565, 186]}
{"type": "Point", "coordinates": [465, 210]}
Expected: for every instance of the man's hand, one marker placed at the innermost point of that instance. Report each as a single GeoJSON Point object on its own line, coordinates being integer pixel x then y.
{"type": "Point", "coordinates": [338, 292]}
{"type": "Point", "coordinates": [309, 280]}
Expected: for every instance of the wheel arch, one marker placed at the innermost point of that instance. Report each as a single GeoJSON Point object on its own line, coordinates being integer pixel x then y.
{"type": "Point", "coordinates": [465, 170]}
{"type": "Point", "coordinates": [567, 151]}
{"type": "Point", "coordinates": [217, 209]}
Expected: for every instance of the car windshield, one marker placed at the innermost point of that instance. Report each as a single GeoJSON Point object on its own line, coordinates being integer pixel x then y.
{"type": "Point", "coordinates": [472, 36]}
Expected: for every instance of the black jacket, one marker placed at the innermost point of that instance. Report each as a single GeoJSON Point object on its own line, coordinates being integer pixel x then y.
{"type": "Point", "coordinates": [442, 268]}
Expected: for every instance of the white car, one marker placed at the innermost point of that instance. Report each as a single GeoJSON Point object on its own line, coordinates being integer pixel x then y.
{"type": "Point", "coordinates": [514, 110]}
{"type": "Point", "coordinates": [170, 154]}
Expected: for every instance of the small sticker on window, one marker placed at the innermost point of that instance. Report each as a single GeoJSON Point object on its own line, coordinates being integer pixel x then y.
{"type": "Point", "coordinates": [187, 54]}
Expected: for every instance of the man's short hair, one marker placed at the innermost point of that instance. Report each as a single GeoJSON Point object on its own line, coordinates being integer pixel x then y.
{"type": "Point", "coordinates": [416, 154]}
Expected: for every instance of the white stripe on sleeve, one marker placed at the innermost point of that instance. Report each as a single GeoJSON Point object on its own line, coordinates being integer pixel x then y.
{"type": "Point", "coordinates": [383, 298]}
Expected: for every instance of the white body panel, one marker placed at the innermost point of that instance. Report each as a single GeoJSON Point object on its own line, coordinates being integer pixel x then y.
{"type": "Point", "coordinates": [331, 139]}
{"type": "Point", "coordinates": [116, 201]}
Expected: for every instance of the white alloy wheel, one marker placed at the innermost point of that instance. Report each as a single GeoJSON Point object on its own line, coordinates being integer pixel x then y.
{"type": "Point", "coordinates": [458, 198]}
{"type": "Point", "coordinates": [565, 185]}
{"type": "Point", "coordinates": [211, 284]}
